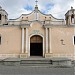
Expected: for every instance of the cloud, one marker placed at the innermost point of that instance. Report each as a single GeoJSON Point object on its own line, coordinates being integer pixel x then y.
{"type": "Point", "coordinates": [28, 7]}
{"type": "Point", "coordinates": [57, 8]}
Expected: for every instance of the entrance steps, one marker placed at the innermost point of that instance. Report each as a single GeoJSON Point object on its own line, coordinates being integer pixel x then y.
{"type": "Point", "coordinates": [36, 61]}
{"type": "Point", "coordinates": [51, 62]}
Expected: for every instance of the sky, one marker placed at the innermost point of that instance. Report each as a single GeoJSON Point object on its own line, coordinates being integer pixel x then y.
{"type": "Point", "coordinates": [57, 8]}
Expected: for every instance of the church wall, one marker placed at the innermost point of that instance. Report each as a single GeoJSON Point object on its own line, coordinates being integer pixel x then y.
{"type": "Point", "coordinates": [29, 17]}
{"type": "Point", "coordinates": [44, 17]}
{"type": "Point", "coordinates": [36, 28]}
{"type": "Point", "coordinates": [65, 47]}
{"type": "Point", "coordinates": [10, 40]}
{"type": "Point", "coordinates": [58, 38]}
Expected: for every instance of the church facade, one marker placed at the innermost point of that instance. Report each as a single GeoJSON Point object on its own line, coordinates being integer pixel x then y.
{"type": "Point", "coordinates": [37, 34]}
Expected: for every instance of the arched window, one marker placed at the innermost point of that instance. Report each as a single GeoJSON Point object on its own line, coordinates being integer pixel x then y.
{"type": "Point", "coordinates": [66, 19]}
{"type": "Point", "coordinates": [72, 18]}
{"type": "Point", "coordinates": [0, 40]}
{"type": "Point", "coordinates": [0, 16]}
{"type": "Point", "coordinates": [5, 17]}
{"type": "Point", "coordinates": [74, 40]}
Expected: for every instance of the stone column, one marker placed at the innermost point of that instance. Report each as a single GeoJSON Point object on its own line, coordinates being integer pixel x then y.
{"type": "Point", "coordinates": [50, 50]}
{"type": "Point", "coordinates": [22, 40]}
{"type": "Point", "coordinates": [26, 40]}
{"type": "Point", "coordinates": [46, 40]}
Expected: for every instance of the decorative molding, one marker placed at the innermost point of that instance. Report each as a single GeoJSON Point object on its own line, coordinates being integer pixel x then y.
{"type": "Point", "coordinates": [43, 43]}
{"type": "Point", "coordinates": [36, 32]}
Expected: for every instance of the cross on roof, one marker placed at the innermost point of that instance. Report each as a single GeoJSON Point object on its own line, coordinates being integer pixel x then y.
{"type": "Point", "coordinates": [36, 2]}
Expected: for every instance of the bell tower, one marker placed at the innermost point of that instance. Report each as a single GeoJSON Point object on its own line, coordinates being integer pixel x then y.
{"type": "Point", "coordinates": [3, 17]}
{"type": "Point", "coordinates": [70, 17]}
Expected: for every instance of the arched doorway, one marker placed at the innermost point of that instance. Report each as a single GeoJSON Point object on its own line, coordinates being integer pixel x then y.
{"type": "Point", "coordinates": [36, 46]}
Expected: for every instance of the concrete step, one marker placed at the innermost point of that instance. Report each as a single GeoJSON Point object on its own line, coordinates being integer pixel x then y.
{"type": "Point", "coordinates": [35, 62]}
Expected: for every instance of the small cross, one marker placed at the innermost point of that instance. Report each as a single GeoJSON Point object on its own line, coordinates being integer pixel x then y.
{"type": "Point", "coordinates": [62, 42]}
{"type": "Point", "coordinates": [36, 2]}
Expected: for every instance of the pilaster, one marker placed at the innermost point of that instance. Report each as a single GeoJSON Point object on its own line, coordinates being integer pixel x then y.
{"type": "Point", "coordinates": [48, 53]}
{"type": "Point", "coordinates": [22, 40]}
{"type": "Point", "coordinates": [24, 53]}
{"type": "Point", "coordinates": [50, 49]}
{"type": "Point", "coordinates": [46, 40]}
{"type": "Point", "coordinates": [26, 40]}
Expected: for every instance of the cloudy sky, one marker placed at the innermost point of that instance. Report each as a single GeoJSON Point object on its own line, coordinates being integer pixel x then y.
{"type": "Point", "coordinates": [57, 8]}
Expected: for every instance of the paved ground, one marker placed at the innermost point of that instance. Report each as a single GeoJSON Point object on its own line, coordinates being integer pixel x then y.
{"type": "Point", "coordinates": [23, 70]}
{"type": "Point", "coordinates": [74, 70]}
